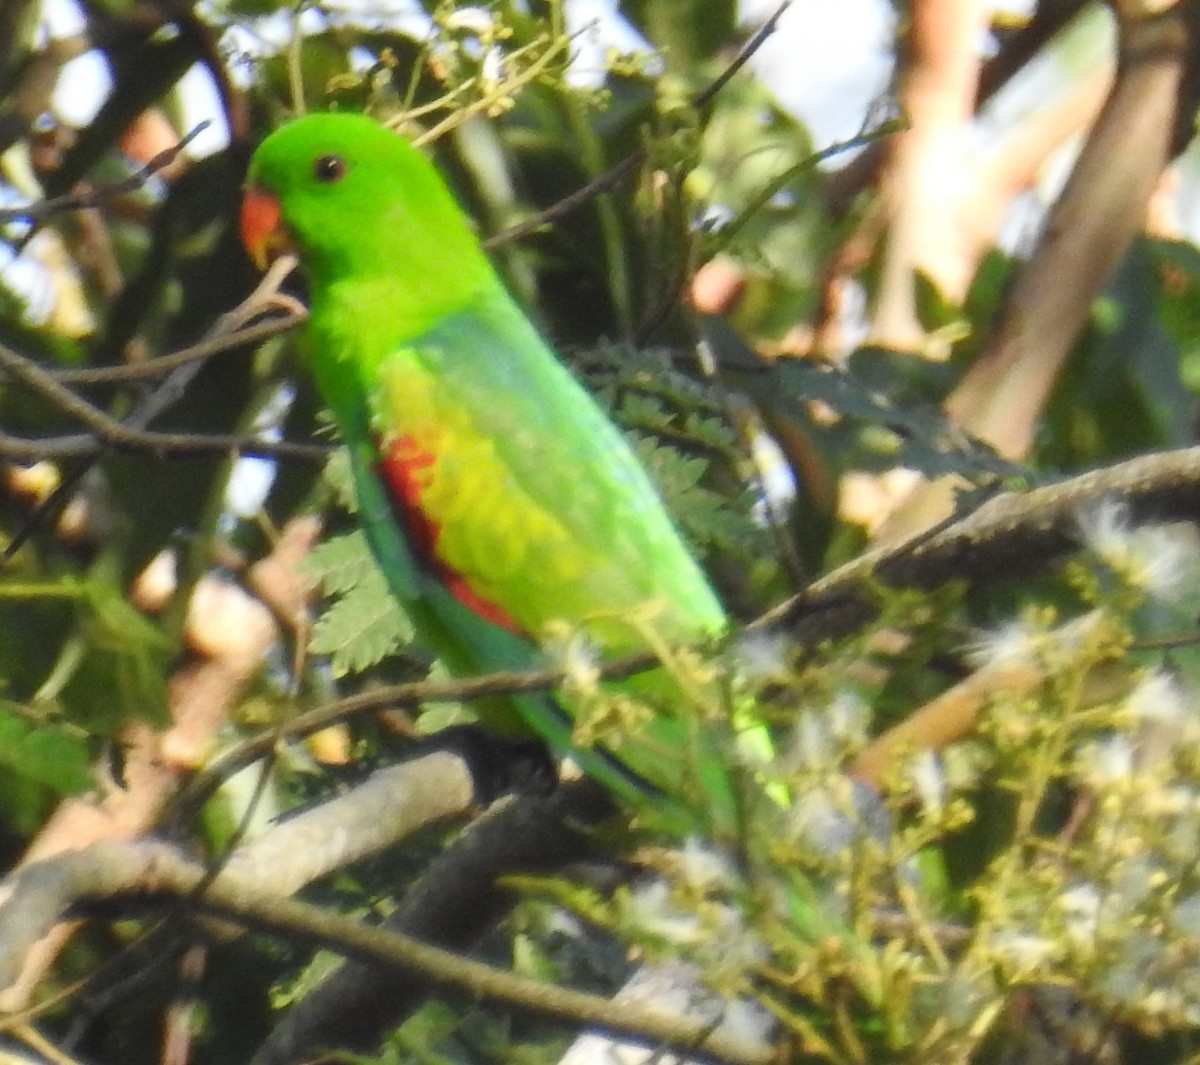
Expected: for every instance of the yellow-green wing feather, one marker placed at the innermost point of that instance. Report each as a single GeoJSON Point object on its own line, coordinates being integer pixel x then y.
{"type": "Point", "coordinates": [539, 501]}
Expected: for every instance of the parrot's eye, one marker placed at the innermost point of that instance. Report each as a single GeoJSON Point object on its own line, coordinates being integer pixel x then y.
{"type": "Point", "coordinates": [329, 169]}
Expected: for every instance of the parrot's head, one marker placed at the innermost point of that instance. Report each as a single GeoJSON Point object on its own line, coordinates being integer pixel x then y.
{"type": "Point", "coordinates": [357, 202]}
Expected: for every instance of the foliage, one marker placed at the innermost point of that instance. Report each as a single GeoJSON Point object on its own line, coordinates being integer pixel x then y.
{"type": "Point", "coordinates": [365, 624]}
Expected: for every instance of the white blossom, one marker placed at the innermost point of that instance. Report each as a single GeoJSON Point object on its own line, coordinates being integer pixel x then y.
{"type": "Point", "coordinates": [1161, 559]}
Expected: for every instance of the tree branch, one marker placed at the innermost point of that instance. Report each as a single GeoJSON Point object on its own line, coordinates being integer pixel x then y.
{"type": "Point", "coordinates": [98, 195]}
{"type": "Point", "coordinates": [410, 694]}
{"type": "Point", "coordinates": [377, 813]}
{"type": "Point", "coordinates": [1091, 225]}
{"type": "Point", "coordinates": [254, 333]}
{"type": "Point", "coordinates": [150, 873]}
{"type": "Point", "coordinates": [130, 432]}
{"type": "Point", "coordinates": [1009, 534]}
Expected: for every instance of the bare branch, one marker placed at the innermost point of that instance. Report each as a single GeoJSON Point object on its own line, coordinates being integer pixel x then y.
{"type": "Point", "coordinates": [411, 694]}
{"type": "Point", "coordinates": [745, 53]}
{"type": "Point", "coordinates": [39, 895]}
{"type": "Point", "coordinates": [1096, 217]}
{"type": "Point", "coordinates": [459, 897]}
{"type": "Point", "coordinates": [1007, 535]}
{"type": "Point", "coordinates": [130, 432]}
{"type": "Point", "coordinates": [127, 434]}
{"type": "Point", "coordinates": [161, 445]}
{"type": "Point", "coordinates": [581, 196]}
{"type": "Point", "coordinates": [205, 349]}
{"type": "Point", "coordinates": [111, 432]}
{"type": "Point", "coordinates": [100, 194]}
{"type": "Point", "coordinates": [385, 808]}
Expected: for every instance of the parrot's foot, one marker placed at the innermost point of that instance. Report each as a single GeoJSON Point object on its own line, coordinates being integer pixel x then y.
{"type": "Point", "coordinates": [500, 765]}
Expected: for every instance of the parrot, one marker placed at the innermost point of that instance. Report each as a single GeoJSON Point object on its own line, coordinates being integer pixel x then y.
{"type": "Point", "coordinates": [497, 496]}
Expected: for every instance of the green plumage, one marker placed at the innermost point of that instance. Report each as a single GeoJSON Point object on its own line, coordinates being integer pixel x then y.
{"type": "Point", "coordinates": [498, 498]}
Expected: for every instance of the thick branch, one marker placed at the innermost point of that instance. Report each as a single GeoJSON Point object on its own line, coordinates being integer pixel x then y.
{"type": "Point", "coordinates": [457, 900]}
{"type": "Point", "coordinates": [1009, 534]}
{"type": "Point", "coordinates": [378, 813]}
{"type": "Point", "coordinates": [39, 895]}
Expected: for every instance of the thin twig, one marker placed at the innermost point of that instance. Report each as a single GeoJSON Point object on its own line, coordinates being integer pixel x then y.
{"type": "Point", "coordinates": [611, 177]}
{"type": "Point", "coordinates": [131, 432]}
{"type": "Point", "coordinates": [756, 41]}
{"type": "Point", "coordinates": [108, 431]}
{"type": "Point", "coordinates": [617, 172]}
{"type": "Point", "coordinates": [412, 693]}
{"type": "Point", "coordinates": [205, 349]}
{"type": "Point", "coordinates": [100, 194]}
{"type": "Point", "coordinates": [161, 445]}
{"type": "Point", "coordinates": [865, 136]}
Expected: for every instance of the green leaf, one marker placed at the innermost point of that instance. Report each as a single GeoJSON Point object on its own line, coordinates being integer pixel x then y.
{"type": "Point", "coordinates": [340, 479]}
{"type": "Point", "coordinates": [361, 627]}
{"type": "Point", "coordinates": [680, 429]}
{"type": "Point", "coordinates": [340, 563]}
{"type": "Point", "coordinates": [706, 517]}
{"type": "Point", "coordinates": [887, 408]}
{"type": "Point", "coordinates": [44, 753]}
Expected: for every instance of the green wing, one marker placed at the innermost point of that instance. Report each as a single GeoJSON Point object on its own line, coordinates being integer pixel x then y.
{"type": "Point", "coordinates": [539, 501]}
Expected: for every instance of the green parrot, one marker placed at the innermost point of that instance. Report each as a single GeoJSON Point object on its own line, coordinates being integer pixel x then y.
{"type": "Point", "coordinates": [497, 497]}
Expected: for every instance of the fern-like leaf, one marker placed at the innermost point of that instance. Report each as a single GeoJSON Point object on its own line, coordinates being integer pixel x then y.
{"type": "Point", "coordinates": [364, 623]}
{"type": "Point", "coordinates": [339, 564]}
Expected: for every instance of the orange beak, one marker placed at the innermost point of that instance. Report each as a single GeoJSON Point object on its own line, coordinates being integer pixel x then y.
{"type": "Point", "coordinates": [262, 229]}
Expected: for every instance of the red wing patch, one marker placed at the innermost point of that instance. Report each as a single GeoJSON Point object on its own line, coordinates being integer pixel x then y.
{"type": "Point", "coordinates": [407, 470]}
